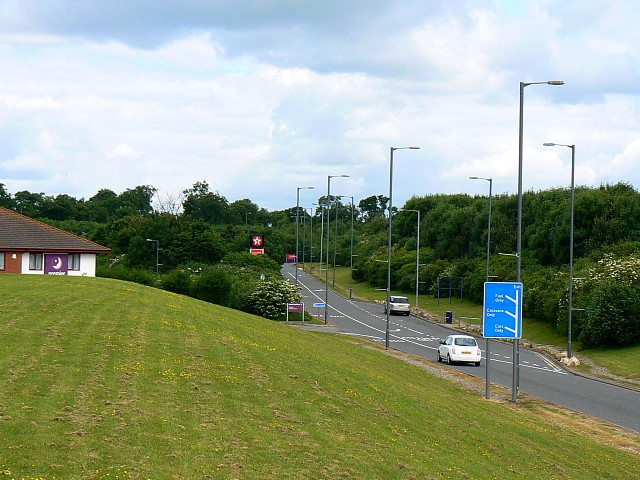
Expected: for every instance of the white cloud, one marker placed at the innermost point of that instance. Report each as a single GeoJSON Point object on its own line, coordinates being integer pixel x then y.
{"type": "Point", "coordinates": [262, 98]}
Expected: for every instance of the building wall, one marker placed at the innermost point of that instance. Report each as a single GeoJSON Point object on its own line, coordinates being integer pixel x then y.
{"type": "Point", "coordinates": [87, 266]}
{"type": "Point", "coordinates": [12, 262]}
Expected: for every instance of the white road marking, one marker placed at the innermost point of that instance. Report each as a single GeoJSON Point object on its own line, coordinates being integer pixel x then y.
{"type": "Point", "coordinates": [412, 340]}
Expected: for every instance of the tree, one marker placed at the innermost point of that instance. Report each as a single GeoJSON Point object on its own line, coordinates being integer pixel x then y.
{"type": "Point", "coordinates": [243, 212]}
{"type": "Point", "coordinates": [101, 207]}
{"type": "Point", "coordinates": [195, 242]}
{"type": "Point", "coordinates": [27, 203]}
{"type": "Point", "coordinates": [62, 207]}
{"type": "Point", "coordinates": [5, 197]}
{"type": "Point", "coordinates": [373, 206]}
{"type": "Point", "coordinates": [211, 207]}
{"type": "Point", "coordinates": [137, 201]}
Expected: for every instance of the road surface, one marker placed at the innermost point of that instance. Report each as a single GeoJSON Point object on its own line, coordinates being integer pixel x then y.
{"type": "Point", "coordinates": [539, 376]}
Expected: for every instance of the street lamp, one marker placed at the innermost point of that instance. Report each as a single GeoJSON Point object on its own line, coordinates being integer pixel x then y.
{"type": "Point", "coordinates": [488, 347]}
{"type": "Point", "coordinates": [350, 251]}
{"type": "Point", "coordinates": [335, 242]}
{"type": "Point", "coordinates": [157, 251]}
{"type": "Point", "coordinates": [298, 222]}
{"type": "Point", "coordinates": [516, 347]}
{"type": "Point", "coordinates": [392, 149]}
{"type": "Point", "coordinates": [311, 236]}
{"type": "Point", "coordinates": [417, 252]}
{"type": "Point", "coordinates": [573, 164]}
{"type": "Point", "coordinates": [321, 233]}
{"type": "Point", "coordinates": [326, 278]}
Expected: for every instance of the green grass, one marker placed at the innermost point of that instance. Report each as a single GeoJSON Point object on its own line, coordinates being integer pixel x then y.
{"type": "Point", "coordinates": [103, 379]}
{"type": "Point", "coordinates": [623, 361]}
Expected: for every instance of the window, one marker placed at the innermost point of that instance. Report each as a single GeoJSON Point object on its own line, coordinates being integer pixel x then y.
{"type": "Point", "coordinates": [1, 260]}
{"type": "Point", "coordinates": [35, 261]}
{"type": "Point", "coordinates": [74, 261]}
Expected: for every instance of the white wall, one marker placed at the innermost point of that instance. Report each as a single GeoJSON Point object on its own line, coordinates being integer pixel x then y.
{"type": "Point", "coordinates": [87, 266]}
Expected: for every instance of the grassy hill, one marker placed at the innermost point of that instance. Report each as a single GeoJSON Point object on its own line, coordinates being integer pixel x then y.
{"type": "Point", "coordinates": [102, 379]}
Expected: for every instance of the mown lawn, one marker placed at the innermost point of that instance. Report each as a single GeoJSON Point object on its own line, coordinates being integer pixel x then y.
{"type": "Point", "coordinates": [103, 379]}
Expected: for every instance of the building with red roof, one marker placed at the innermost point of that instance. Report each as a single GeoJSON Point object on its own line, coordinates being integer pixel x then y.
{"type": "Point", "coordinates": [33, 247]}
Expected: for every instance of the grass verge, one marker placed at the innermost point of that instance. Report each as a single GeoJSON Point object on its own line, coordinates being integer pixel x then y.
{"type": "Point", "coordinates": [104, 379]}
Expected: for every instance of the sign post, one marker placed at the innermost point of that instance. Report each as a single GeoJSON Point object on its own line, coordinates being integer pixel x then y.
{"type": "Point", "coordinates": [502, 315]}
{"type": "Point", "coordinates": [319, 305]}
{"type": "Point", "coordinates": [295, 308]}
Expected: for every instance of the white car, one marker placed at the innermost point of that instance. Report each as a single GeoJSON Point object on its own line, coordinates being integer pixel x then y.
{"type": "Point", "coordinates": [459, 348]}
{"type": "Point", "coordinates": [398, 304]}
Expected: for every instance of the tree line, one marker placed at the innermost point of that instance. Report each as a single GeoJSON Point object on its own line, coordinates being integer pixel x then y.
{"type": "Point", "coordinates": [200, 228]}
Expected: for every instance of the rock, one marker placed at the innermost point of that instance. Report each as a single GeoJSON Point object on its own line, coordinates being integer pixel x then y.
{"type": "Point", "coordinates": [570, 362]}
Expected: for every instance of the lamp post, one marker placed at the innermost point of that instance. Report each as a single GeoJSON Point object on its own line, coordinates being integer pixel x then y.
{"type": "Point", "coordinates": [310, 237]}
{"type": "Point", "coordinates": [417, 252]}
{"type": "Point", "coordinates": [573, 164]}
{"type": "Point", "coordinates": [516, 349]}
{"type": "Point", "coordinates": [298, 222]}
{"type": "Point", "coordinates": [326, 278]}
{"type": "Point", "coordinates": [488, 347]}
{"type": "Point", "coordinates": [335, 242]}
{"type": "Point", "coordinates": [350, 250]}
{"type": "Point", "coordinates": [321, 232]}
{"type": "Point", "coordinates": [392, 149]}
{"type": "Point", "coordinates": [157, 251]}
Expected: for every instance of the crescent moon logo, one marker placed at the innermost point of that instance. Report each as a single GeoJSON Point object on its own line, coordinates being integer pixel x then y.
{"type": "Point", "coordinates": [57, 263]}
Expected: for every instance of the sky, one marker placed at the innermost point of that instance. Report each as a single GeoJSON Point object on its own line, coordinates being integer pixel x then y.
{"type": "Point", "coordinates": [260, 98]}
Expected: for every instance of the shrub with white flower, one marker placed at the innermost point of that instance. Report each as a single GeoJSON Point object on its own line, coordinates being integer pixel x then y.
{"type": "Point", "coordinates": [270, 298]}
{"type": "Point", "coordinates": [611, 297]}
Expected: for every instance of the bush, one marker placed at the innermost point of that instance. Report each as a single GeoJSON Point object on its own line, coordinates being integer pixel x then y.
{"type": "Point", "coordinates": [613, 315]}
{"type": "Point", "coordinates": [142, 277]}
{"type": "Point", "coordinates": [213, 285]}
{"type": "Point", "coordinates": [270, 298]}
{"type": "Point", "coordinates": [245, 259]}
{"type": "Point", "coordinates": [178, 281]}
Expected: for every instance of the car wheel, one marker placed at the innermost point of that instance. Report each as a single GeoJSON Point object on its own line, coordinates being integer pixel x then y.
{"type": "Point", "coordinates": [477, 364]}
{"type": "Point", "coordinates": [439, 357]}
{"type": "Point", "coordinates": [449, 362]}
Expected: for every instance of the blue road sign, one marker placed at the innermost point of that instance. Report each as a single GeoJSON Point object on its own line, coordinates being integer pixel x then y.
{"type": "Point", "coordinates": [502, 315]}
{"type": "Point", "coordinates": [319, 305]}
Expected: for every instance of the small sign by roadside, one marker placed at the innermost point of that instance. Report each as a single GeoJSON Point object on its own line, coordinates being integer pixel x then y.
{"type": "Point", "coordinates": [295, 308]}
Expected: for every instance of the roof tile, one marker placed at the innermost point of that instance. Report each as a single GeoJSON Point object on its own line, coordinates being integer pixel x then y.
{"type": "Point", "coordinates": [18, 232]}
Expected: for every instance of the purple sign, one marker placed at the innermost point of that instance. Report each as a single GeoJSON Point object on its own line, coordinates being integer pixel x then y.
{"type": "Point", "coordinates": [56, 264]}
{"type": "Point", "coordinates": [295, 307]}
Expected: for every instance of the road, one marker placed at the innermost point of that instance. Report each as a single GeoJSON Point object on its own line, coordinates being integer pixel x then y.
{"type": "Point", "coordinates": [539, 376]}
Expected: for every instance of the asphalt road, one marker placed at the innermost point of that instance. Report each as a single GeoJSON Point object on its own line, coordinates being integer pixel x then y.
{"type": "Point", "coordinates": [539, 376]}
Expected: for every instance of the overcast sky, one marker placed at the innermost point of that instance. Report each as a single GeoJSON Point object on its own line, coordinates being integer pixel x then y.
{"type": "Point", "coordinates": [261, 97]}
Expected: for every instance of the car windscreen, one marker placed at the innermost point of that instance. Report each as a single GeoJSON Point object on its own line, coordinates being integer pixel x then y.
{"type": "Point", "coordinates": [465, 342]}
{"type": "Point", "coordinates": [399, 299]}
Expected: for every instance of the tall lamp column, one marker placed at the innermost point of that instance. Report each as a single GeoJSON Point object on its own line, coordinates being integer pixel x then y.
{"type": "Point", "coordinates": [516, 346]}
{"type": "Point", "coordinates": [488, 348]}
{"type": "Point", "coordinates": [392, 149]}
{"type": "Point", "coordinates": [350, 251]}
{"type": "Point", "coordinates": [573, 165]}
{"type": "Point", "coordinates": [298, 223]}
{"type": "Point", "coordinates": [326, 278]}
